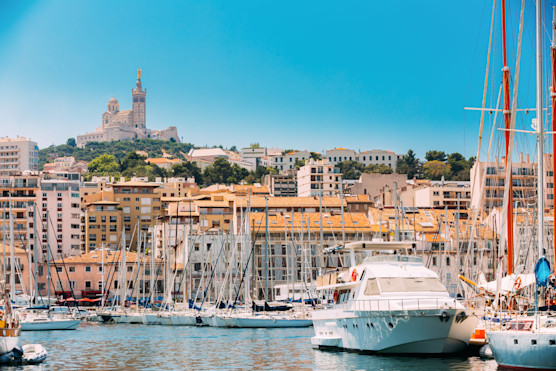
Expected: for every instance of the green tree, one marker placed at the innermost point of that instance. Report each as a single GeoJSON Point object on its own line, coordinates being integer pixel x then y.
{"type": "Point", "coordinates": [254, 145]}
{"type": "Point", "coordinates": [219, 172]}
{"type": "Point", "coordinates": [315, 156]}
{"type": "Point", "coordinates": [133, 160]}
{"type": "Point", "coordinates": [409, 164]}
{"type": "Point", "coordinates": [71, 142]}
{"type": "Point", "coordinates": [435, 156]}
{"type": "Point", "coordinates": [435, 170]}
{"type": "Point", "coordinates": [233, 149]}
{"type": "Point", "coordinates": [378, 169]}
{"type": "Point", "coordinates": [187, 169]}
{"type": "Point", "coordinates": [299, 163]}
{"type": "Point", "coordinates": [350, 169]}
{"type": "Point", "coordinates": [104, 165]}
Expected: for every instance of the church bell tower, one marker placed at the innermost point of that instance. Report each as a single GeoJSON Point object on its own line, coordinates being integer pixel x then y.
{"type": "Point", "coordinates": [139, 95]}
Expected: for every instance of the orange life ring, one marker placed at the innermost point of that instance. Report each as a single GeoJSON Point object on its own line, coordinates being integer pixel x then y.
{"type": "Point", "coordinates": [517, 283]}
{"type": "Point", "coordinates": [354, 275]}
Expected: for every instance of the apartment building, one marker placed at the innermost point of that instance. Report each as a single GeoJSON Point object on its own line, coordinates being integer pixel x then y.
{"type": "Point", "coordinates": [59, 208]}
{"type": "Point", "coordinates": [281, 185]}
{"type": "Point", "coordinates": [287, 161]}
{"type": "Point", "coordinates": [440, 194]}
{"type": "Point", "coordinates": [316, 177]}
{"type": "Point", "coordinates": [372, 157]}
{"type": "Point", "coordinates": [141, 206]}
{"type": "Point", "coordinates": [488, 192]}
{"type": "Point", "coordinates": [17, 155]}
{"type": "Point", "coordinates": [22, 191]}
{"type": "Point", "coordinates": [103, 225]}
{"type": "Point", "coordinates": [379, 157]}
{"type": "Point", "coordinates": [253, 155]}
{"type": "Point", "coordinates": [338, 155]}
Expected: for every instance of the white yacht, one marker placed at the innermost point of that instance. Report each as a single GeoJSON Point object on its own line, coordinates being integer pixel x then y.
{"type": "Point", "coordinates": [390, 303]}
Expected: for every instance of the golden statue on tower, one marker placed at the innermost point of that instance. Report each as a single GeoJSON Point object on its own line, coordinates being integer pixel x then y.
{"type": "Point", "coordinates": [138, 74]}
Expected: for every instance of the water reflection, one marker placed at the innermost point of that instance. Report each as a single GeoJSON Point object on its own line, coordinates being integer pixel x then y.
{"type": "Point", "coordinates": [110, 347]}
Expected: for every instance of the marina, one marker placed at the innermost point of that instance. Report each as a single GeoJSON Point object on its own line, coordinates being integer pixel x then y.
{"type": "Point", "coordinates": [113, 346]}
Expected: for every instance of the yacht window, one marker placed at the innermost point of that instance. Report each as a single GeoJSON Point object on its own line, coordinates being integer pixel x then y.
{"type": "Point", "coordinates": [423, 284]}
{"type": "Point", "coordinates": [411, 284]}
{"type": "Point", "coordinates": [391, 284]}
{"type": "Point", "coordinates": [372, 287]}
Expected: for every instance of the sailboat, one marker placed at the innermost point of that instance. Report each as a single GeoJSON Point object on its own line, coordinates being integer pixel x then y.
{"type": "Point", "coordinates": [37, 319]}
{"type": "Point", "coordinates": [529, 342]}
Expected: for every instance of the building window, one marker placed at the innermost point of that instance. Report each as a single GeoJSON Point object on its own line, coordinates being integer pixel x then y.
{"type": "Point", "coordinates": [197, 267]}
{"type": "Point", "coordinates": [72, 269]}
{"type": "Point", "coordinates": [88, 285]}
{"type": "Point", "coordinates": [88, 268]}
{"type": "Point", "coordinates": [59, 269]}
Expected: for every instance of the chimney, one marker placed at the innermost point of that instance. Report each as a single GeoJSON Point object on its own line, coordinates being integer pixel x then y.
{"type": "Point", "coordinates": [527, 158]}
{"type": "Point", "coordinates": [521, 157]}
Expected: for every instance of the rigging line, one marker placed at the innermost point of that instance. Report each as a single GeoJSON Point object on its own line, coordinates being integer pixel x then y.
{"type": "Point", "coordinates": [485, 86]}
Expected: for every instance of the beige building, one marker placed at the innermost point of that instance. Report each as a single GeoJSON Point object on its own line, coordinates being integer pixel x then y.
{"type": "Point", "coordinates": [488, 192]}
{"type": "Point", "coordinates": [103, 225]}
{"type": "Point", "coordinates": [141, 206]}
{"type": "Point", "coordinates": [17, 155]}
{"type": "Point", "coordinates": [317, 176]}
{"type": "Point", "coordinates": [372, 184]}
{"type": "Point", "coordinates": [127, 124]}
{"type": "Point", "coordinates": [440, 194]}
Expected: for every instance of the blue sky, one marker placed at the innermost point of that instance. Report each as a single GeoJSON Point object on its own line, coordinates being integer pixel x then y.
{"type": "Point", "coordinates": [307, 75]}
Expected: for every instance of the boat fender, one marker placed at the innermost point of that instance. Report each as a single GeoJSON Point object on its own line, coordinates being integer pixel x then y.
{"type": "Point", "coordinates": [444, 316]}
{"type": "Point", "coordinates": [354, 275]}
{"type": "Point", "coordinates": [335, 296]}
{"type": "Point", "coordinates": [461, 317]}
{"type": "Point", "coordinates": [486, 352]}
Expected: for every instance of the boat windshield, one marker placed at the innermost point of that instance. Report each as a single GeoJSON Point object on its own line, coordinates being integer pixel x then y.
{"type": "Point", "coordinates": [393, 258]}
{"type": "Point", "coordinates": [375, 286]}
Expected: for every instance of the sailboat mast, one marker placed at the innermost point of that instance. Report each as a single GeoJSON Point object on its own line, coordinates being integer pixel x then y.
{"type": "Point", "coordinates": [540, 139]}
{"type": "Point", "coordinates": [507, 126]}
{"type": "Point", "coordinates": [553, 97]}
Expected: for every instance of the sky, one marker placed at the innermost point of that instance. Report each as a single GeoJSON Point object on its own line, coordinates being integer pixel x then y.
{"type": "Point", "coordinates": [304, 75]}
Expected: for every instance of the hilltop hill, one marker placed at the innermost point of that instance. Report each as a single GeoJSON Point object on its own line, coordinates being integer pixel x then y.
{"type": "Point", "coordinates": [119, 149]}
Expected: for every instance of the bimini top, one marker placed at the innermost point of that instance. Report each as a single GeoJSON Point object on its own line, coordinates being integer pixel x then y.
{"type": "Point", "coordinates": [378, 245]}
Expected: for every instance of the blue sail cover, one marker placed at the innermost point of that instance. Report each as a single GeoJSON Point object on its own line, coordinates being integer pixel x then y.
{"type": "Point", "coordinates": [542, 271]}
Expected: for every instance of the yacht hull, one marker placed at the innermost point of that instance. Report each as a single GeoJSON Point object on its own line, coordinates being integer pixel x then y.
{"type": "Point", "coordinates": [400, 332]}
{"type": "Point", "coordinates": [182, 320]}
{"type": "Point", "coordinates": [268, 322]}
{"type": "Point", "coordinates": [48, 325]}
{"type": "Point", "coordinates": [523, 350]}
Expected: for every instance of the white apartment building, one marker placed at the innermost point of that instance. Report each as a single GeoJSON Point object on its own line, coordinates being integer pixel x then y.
{"type": "Point", "coordinates": [338, 155]}
{"type": "Point", "coordinates": [379, 156]}
{"type": "Point", "coordinates": [17, 155]}
{"type": "Point", "coordinates": [317, 175]}
{"type": "Point", "coordinates": [253, 155]}
{"type": "Point", "coordinates": [287, 161]}
{"type": "Point", "coordinates": [440, 194]}
{"type": "Point", "coordinates": [488, 178]}
{"type": "Point", "coordinates": [62, 199]}
{"type": "Point", "coordinates": [374, 157]}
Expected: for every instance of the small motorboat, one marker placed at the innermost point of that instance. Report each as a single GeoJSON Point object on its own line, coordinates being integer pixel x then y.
{"type": "Point", "coordinates": [34, 353]}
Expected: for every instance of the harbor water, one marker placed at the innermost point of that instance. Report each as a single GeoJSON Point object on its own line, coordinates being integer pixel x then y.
{"type": "Point", "coordinates": [126, 347]}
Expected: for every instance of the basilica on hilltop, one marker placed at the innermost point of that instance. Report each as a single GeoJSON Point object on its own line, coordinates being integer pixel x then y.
{"type": "Point", "coordinates": [128, 124]}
